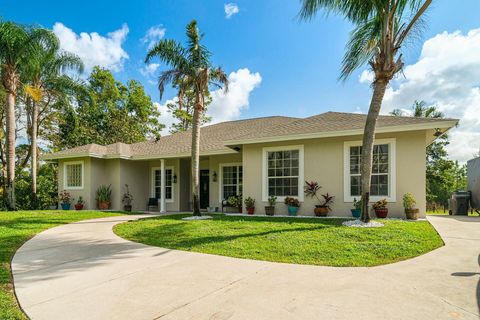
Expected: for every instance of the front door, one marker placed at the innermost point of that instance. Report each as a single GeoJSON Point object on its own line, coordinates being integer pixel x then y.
{"type": "Point", "coordinates": [204, 189]}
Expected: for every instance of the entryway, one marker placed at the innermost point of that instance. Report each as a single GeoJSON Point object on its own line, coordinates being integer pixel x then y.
{"type": "Point", "coordinates": [204, 189]}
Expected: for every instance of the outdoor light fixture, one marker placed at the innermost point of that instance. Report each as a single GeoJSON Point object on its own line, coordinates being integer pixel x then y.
{"type": "Point", "coordinates": [214, 176]}
{"type": "Point", "coordinates": [174, 178]}
{"type": "Point", "coordinates": [438, 132]}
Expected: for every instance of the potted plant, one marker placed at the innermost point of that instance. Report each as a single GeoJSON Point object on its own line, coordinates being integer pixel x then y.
{"type": "Point", "coordinates": [321, 210]}
{"type": "Point", "coordinates": [127, 200]}
{"type": "Point", "coordinates": [270, 209]}
{"type": "Point", "coordinates": [65, 199]}
{"type": "Point", "coordinates": [250, 205]}
{"type": "Point", "coordinates": [293, 204]}
{"type": "Point", "coordinates": [409, 204]}
{"type": "Point", "coordinates": [357, 208]}
{"type": "Point", "coordinates": [80, 203]}
{"type": "Point", "coordinates": [380, 208]}
{"type": "Point", "coordinates": [236, 201]}
{"type": "Point", "coordinates": [103, 197]}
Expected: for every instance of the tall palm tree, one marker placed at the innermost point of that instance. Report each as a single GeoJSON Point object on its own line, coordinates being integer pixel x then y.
{"type": "Point", "coordinates": [381, 29]}
{"type": "Point", "coordinates": [45, 83]}
{"type": "Point", "coordinates": [17, 47]}
{"type": "Point", "coordinates": [192, 69]}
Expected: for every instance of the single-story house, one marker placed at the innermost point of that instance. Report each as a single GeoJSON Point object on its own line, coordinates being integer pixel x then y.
{"type": "Point", "coordinates": [260, 157]}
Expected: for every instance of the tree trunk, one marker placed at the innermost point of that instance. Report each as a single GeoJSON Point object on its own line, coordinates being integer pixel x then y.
{"type": "Point", "coordinates": [379, 87]}
{"type": "Point", "coordinates": [34, 131]}
{"type": "Point", "coordinates": [10, 125]}
{"type": "Point", "coordinates": [196, 157]}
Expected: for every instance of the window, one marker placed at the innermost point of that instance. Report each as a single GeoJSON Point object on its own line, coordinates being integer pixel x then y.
{"type": "Point", "coordinates": [73, 175]}
{"type": "Point", "coordinates": [383, 169]}
{"type": "Point", "coordinates": [232, 180]}
{"type": "Point", "coordinates": [157, 182]}
{"type": "Point", "coordinates": [283, 172]}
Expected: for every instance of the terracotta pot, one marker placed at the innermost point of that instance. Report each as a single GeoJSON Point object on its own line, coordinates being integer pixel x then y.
{"type": "Point", "coordinates": [251, 210]}
{"type": "Point", "coordinates": [412, 214]}
{"type": "Point", "coordinates": [103, 205]}
{"type": "Point", "coordinates": [127, 207]}
{"type": "Point", "coordinates": [321, 211]}
{"type": "Point", "coordinates": [78, 206]}
{"type": "Point", "coordinates": [270, 210]}
{"type": "Point", "coordinates": [381, 213]}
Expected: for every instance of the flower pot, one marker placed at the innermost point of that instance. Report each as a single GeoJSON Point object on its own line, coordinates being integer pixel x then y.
{"type": "Point", "coordinates": [127, 207]}
{"type": "Point", "coordinates": [78, 207]}
{"type": "Point", "coordinates": [381, 213]}
{"type": "Point", "coordinates": [412, 214]}
{"type": "Point", "coordinates": [321, 211]}
{"type": "Point", "coordinates": [250, 210]}
{"type": "Point", "coordinates": [292, 211]}
{"type": "Point", "coordinates": [103, 205]}
{"type": "Point", "coordinates": [356, 213]}
{"type": "Point", "coordinates": [270, 210]}
{"type": "Point", "coordinates": [66, 206]}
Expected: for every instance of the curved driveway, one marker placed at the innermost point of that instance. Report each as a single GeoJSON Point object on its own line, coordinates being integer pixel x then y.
{"type": "Point", "coordinates": [83, 271]}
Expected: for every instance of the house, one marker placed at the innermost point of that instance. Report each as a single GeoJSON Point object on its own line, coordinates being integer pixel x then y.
{"type": "Point", "coordinates": [257, 158]}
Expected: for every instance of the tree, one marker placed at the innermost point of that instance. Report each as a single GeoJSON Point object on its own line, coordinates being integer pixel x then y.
{"type": "Point", "coordinates": [381, 30]}
{"type": "Point", "coordinates": [106, 111]}
{"type": "Point", "coordinates": [192, 70]}
{"type": "Point", "coordinates": [182, 111]}
{"type": "Point", "coordinates": [18, 45]}
{"type": "Point", "coordinates": [45, 84]}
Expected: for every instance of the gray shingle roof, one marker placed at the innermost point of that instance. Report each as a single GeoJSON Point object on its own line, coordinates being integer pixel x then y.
{"type": "Point", "coordinates": [215, 138]}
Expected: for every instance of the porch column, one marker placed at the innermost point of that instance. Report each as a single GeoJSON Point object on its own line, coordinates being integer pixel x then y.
{"type": "Point", "coordinates": [162, 186]}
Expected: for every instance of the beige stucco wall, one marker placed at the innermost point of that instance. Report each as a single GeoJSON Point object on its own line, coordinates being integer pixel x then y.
{"type": "Point", "coordinates": [324, 163]}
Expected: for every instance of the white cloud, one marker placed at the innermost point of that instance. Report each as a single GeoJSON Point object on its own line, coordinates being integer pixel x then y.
{"type": "Point", "coordinates": [366, 76]}
{"type": "Point", "coordinates": [228, 106]}
{"type": "Point", "coordinates": [224, 106]}
{"type": "Point", "coordinates": [447, 74]}
{"type": "Point", "coordinates": [230, 9]}
{"type": "Point", "coordinates": [94, 49]}
{"type": "Point", "coordinates": [153, 35]}
{"type": "Point", "coordinates": [149, 70]}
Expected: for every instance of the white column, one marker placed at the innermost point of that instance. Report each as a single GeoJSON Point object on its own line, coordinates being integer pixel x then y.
{"type": "Point", "coordinates": [162, 186]}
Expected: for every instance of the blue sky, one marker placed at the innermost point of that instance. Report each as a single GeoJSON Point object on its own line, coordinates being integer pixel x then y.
{"type": "Point", "coordinates": [298, 62]}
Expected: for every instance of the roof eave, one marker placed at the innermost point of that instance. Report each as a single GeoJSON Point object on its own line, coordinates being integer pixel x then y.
{"type": "Point", "coordinates": [341, 133]}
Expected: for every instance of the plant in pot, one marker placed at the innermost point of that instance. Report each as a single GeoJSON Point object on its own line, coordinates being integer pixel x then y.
{"type": "Point", "coordinates": [250, 205]}
{"type": "Point", "coordinates": [270, 209]}
{"type": "Point", "coordinates": [104, 196]}
{"type": "Point", "coordinates": [324, 205]}
{"type": "Point", "coordinates": [380, 208]}
{"type": "Point", "coordinates": [127, 199]}
{"type": "Point", "coordinates": [409, 204]}
{"type": "Point", "coordinates": [236, 201]}
{"type": "Point", "coordinates": [357, 208]}
{"type": "Point", "coordinates": [65, 200]}
{"type": "Point", "coordinates": [80, 203]}
{"type": "Point", "coordinates": [292, 204]}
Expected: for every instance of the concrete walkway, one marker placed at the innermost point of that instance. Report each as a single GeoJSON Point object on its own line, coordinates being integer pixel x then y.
{"type": "Point", "coordinates": [83, 271]}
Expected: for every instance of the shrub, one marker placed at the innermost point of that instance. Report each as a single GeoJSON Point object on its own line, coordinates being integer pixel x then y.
{"type": "Point", "coordinates": [249, 202]}
{"type": "Point", "coordinates": [235, 201]}
{"type": "Point", "coordinates": [65, 197]}
{"type": "Point", "coordinates": [357, 205]}
{"type": "Point", "coordinates": [409, 201]}
{"type": "Point", "coordinates": [104, 193]}
{"type": "Point", "coordinates": [292, 202]}
{"type": "Point", "coordinates": [380, 204]}
{"type": "Point", "coordinates": [272, 200]}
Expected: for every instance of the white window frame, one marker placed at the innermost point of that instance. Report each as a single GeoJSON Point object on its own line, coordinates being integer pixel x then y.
{"type": "Point", "coordinates": [152, 178]}
{"type": "Point", "coordinates": [220, 184]}
{"type": "Point", "coordinates": [65, 182]}
{"type": "Point", "coordinates": [301, 168]}
{"type": "Point", "coordinates": [392, 170]}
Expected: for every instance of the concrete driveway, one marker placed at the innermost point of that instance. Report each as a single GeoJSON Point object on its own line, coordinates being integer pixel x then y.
{"type": "Point", "coordinates": [83, 271]}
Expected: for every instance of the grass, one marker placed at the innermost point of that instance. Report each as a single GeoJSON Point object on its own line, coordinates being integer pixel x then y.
{"type": "Point", "coordinates": [291, 240]}
{"type": "Point", "coordinates": [15, 229]}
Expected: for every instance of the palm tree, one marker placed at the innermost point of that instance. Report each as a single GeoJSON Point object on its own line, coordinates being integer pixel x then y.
{"type": "Point", "coordinates": [17, 47]}
{"type": "Point", "coordinates": [45, 83]}
{"type": "Point", "coordinates": [381, 29]}
{"type": "Point", "coordinates": [192, 69]}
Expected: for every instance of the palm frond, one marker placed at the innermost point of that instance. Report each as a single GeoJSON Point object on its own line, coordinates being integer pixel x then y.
{"type": "Point", "coordinates": [219, 79]}
{"type": "Point", "coordinates": [169, 52]}
{"type": "Point", "coordinates": [169, 76]}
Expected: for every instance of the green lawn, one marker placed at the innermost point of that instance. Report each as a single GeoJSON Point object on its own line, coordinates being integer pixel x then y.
{"type": "Point", "coordinates": [15, 229]}
{"type": "Point", "coordinates": [291, 240]}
